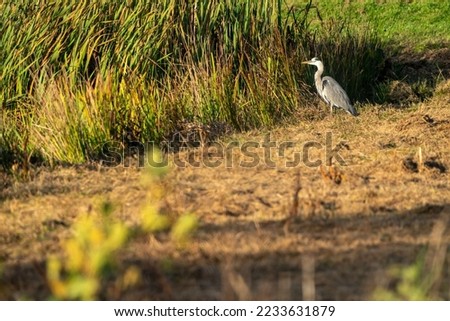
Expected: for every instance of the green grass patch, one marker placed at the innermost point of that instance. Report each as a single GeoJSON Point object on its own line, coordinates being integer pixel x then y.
{"type": "Point", "coordinates": [418, 24]}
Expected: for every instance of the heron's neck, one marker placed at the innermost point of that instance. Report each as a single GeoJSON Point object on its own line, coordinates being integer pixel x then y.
{"type": "Point", "coordinates": [318, 78]}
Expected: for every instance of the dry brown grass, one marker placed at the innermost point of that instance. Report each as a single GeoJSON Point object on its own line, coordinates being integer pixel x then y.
{"type": "Point", "coordinates": [351, 223]}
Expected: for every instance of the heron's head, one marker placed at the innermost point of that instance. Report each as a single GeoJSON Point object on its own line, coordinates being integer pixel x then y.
{"type": "Point", "coordinates": [315, 61]}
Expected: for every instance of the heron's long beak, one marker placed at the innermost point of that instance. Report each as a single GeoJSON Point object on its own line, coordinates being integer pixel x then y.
{"type": "Point", "coordinates": [306, 62]}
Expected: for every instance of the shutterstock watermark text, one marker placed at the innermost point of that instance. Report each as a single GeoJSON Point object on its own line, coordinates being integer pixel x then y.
{"type": "Point", "coordinates": [246, 154]}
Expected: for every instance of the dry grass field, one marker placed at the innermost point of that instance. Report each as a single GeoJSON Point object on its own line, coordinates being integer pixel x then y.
{"type": "Point", "coordinates": [330, 227]}
{"type": "Point", "coordinates": [265, 195]}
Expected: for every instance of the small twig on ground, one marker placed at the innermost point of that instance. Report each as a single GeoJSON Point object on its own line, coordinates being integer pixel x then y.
{"type": "Point", "coordinates": [295, 203]}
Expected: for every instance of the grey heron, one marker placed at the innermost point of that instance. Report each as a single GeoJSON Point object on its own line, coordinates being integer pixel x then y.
{"type": "Point", "coordinates": [330, 90]}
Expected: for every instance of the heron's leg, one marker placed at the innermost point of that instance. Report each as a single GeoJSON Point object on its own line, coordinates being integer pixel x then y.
{"type": "Point", "coordinates": [331, 109]}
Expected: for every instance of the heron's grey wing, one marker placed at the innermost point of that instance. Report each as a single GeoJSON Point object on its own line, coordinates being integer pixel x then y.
{"type": "Point", "coordinates": [336, 95]}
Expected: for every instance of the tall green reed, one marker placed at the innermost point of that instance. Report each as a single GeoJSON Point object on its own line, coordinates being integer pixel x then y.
{"type": "Point", "coordinates": [85, 74]}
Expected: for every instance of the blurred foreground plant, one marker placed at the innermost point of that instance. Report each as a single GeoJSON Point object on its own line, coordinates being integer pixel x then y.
{"type": "Point", "coordinates": [89, 254]}
{"type": "Point", "coordinates": [92, 253]}
{"type": "Point", "coordinates": [424, 279]}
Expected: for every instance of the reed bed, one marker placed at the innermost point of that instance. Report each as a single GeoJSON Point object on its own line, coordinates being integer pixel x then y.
{"type": "Point", "coordinates": [80, 76]}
